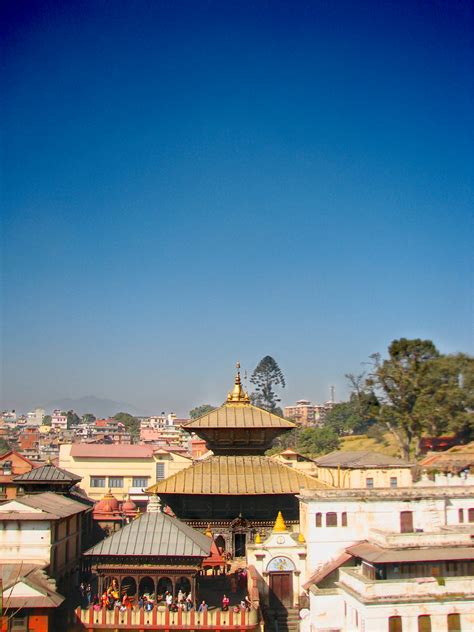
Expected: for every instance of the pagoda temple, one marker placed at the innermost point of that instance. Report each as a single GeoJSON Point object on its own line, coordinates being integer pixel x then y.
{"type": "Point", "coordinates": [237, 491]}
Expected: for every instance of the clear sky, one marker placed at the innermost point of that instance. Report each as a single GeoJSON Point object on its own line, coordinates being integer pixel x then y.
{"type": "Point", "coordinates": [187, 184]}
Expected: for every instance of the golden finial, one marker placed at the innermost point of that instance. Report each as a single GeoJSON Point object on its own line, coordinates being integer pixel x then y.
{"type": "Point", "coordinates": [279, 525]}
{"type": "Point", "coordinates": [237, 395]}
{"type": "Point", "coordinates": [301, 537]}
{"type": "Point", "coordinates": [258, 539]}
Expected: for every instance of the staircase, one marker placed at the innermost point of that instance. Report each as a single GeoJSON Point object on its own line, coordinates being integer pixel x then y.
{"type": "Point", "coordinates": [282, 620]}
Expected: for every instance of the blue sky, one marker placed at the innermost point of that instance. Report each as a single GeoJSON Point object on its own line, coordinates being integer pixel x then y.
{"type": "Point", "coordinates": [186, 184]}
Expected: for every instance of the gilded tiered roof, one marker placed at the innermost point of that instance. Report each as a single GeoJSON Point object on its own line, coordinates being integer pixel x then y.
{"type": "Point", "coordinates": [238, 426]}
{"type": "Point", "coordinates": [236, 475]}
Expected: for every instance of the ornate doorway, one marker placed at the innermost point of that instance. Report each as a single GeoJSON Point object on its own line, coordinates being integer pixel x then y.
{"type": "Point", "coordinates": [281, 589]}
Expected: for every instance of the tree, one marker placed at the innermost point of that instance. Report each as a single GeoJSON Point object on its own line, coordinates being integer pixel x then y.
{"type": "Point", "coordinates": [88, 418]}
{"type": "Point", "coordinates": [420, 391]}
{"type": "Point", "coordinates": [73, 419]}
{"type": "Point", "coordinates": [345, 419]}
{"type": "Point", "coordinates": [4, 446]}
{"type": "Point", "coordinates": [199, 411]}
{"type": "Point", "coordinates": [131, 423]}
{"type": "Point", "coordinates": [47, 420]}
{"type": "Point", "coordinates": [266, 376]}
{"type": "Point", "coordinates": [316, 441]}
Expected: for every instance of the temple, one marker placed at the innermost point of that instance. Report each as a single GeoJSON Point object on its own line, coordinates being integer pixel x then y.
{"type": "Point", "coordinates": [237, 491]}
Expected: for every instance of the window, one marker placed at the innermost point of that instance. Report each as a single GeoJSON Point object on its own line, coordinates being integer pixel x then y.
{"type": "Point", "coordinates": [97, 481]}
{"type": "Point", "coordinates": [424, 623]}
{"type": "Point", "coordinates": [19, 624]}
{"type": "Point", "coordinates": [395, 624]}
{"type": "Point", "coordinates": [470, 515]}
{"type": "Point", "coordinates": [160, 471]}
{"type": "Point", "coordinates": [331, 519]}
{"type": "Point", "coordinates": [319, 519]}
{"type": "Point", "coordinates": [454, 623]}
{"type": "Point", "coordinates": [369, 483]}
{"type": "Point", "coordinates": [461, 515]}
{"type": "Point", "coordinates": [393, 481]}
{"type": "Point", "coordinates": [344, 519]}
{"type": "Point", "coordinates": [115, 481]}
{"type": "Point", "coordinates": [7, 468]}
{"type": "Point", "coordinates": [140, 481]}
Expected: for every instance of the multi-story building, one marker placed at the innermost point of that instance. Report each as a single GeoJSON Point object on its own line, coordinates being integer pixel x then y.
{"type": "Point", "coordinates": [377, 560]}
{"type": "Point", "coordinates": [35, 417]}
{"type": "Point", "coordinates": [12, 464]}
{"type": "Point", "coordinates": [126, 469]}
{"type": "Point", "coordinates": [306, 413]}
{"type": "Point", "coordinates": [58, 420]}
{"type": "Point", "coordinates": [363, 469]}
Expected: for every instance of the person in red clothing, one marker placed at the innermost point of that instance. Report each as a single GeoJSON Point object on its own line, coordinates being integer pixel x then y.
{"type": "Point", "coordinates": [225, 603]}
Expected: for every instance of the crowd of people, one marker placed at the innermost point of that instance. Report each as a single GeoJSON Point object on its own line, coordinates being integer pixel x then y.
{"type": "Point", "coordinates": [111, 599]}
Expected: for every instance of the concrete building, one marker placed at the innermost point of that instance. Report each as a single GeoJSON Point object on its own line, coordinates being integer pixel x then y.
{"type": "Point", "coordinates": [374, 556]}
{"type": "Point", "coordinates": [126, 469]}
{"type": "Point", "coordinates": [297, 461]}
{"type": "Point", "coordinates": [364, 469]}
{"type": "Point", "coordinates": [35, 417]}
{"type": "Point", "coordinates": [306, 413]}
{"type": "Point", "coordinates": [12, 464]}
{"type": "Point", "coordinates": [58, 421]}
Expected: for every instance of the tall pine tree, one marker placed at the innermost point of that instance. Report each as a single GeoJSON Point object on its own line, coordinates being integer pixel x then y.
{"type": "Point", "coordinates": [266, 376]}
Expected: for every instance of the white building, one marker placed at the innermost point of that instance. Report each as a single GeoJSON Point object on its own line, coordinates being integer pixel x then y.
{"type": "Point", "coordinates": [58, 421]}
{"type": "Point", "coordinates": [378, 560]}
{"type": "Point", "coordinates": [35, 418]}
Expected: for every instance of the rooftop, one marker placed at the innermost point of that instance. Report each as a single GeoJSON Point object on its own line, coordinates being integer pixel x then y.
{"type": "Point", "coordinates": [400, 493]}
{"type": "Point", "coordinates": [360, 459]}
{"type": "Point", "coordinates": [47, 506]}
{"type": "Point", "coordinates": [47, 473]}
{"type": "Point", "coordinates": [237, 475]}
{"type": "Point", "coordinates": [376, 554]}
{"type": "Point", "coordinates": [28, 586]}
{"type": "Point", "coordinates": [154, 534]}
{"type": "Point", "coordinates": [111, 451]}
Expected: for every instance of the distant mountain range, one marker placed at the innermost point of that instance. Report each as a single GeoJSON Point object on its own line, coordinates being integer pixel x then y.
{"type": "Point", "coordinates": [91, 404]}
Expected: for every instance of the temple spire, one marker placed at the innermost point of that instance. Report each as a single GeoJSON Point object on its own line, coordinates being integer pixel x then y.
{"type": "Point", "coordinates": [279, 525]}
{"type": "Point", "coordinates": [238, 395]}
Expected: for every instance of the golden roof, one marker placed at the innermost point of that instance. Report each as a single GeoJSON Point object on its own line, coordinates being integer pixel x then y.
{"type": "Point", "coordinates": [238, 412]}
{"type": "Point", "coordinates": [246, 475]}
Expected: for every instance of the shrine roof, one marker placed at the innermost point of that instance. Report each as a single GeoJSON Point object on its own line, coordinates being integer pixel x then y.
{"type": "Point", "coordinates": [154, 534]}
{"type": "Point", "coordinates": [48, 473]}
{"type": "Point", "coordinates": [248, 475]}
{"type": "Point", "coordinates": [239, 415]}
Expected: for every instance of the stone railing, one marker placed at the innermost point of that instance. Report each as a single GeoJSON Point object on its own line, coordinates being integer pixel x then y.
{"type": "Point", "coordinates": [214, 619]}
{"type": "Point", "coordinates": [406, 589]}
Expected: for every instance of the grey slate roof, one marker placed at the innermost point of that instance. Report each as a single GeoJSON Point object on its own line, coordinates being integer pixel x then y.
{"type": "Point", "coordinates": [48, 473]}
{"type": "Point", "coordinates": [154, 534]}
{"type": "Point", "coordinates": [359, 459]}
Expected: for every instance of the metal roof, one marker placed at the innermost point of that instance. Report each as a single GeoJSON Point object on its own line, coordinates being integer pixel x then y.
{"type": "Point", "coordinates": [154, 534]}
{"type": "Point", "coordinates": [378, 555]}
{"type": "Point", "coordinates": [237, 475]}
{"type": "Point", "coordinates": [239, 416]}
{"type": "Point", "coordinates": [360, 459]}
{"type": "Point", "coordinates": [111, 451]}
{"type": "Point", "coordinates": [54, 505]}
{"type": "Point", "coordinates": [48, 473]}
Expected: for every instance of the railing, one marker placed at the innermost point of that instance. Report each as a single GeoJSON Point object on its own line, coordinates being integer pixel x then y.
{"type": "Point", "coordinates": [407, 589]}
{"type": "Point", "coordinates": [415, 539]}
{"type": "Point", "coordinates": [158, 619]}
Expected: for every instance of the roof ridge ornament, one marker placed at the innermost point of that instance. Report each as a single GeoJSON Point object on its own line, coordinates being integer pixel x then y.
{"type": "Point", "coordinates": [237, 395]}
{"type": "Point", "coordinates": [279, 526]}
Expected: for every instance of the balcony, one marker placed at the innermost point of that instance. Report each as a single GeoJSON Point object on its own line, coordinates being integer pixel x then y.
{"type": "Point", "coordinates": [139, 619]}
{"type": "Point", "coordinates": [415, 539]}
{"type": "Point", "coordinates": [418, 589]}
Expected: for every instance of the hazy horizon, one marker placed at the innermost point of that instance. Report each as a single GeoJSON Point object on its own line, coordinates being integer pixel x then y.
{"type": "Point", "coordinates": [186, 185]}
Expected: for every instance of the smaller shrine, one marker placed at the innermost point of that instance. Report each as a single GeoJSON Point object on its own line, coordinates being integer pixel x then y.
{"type": "Point", "coordinates": [153, 554]}
{"type": "Point", "coordinates": [279, 562]}
{"type": "Point", "coordinates": [110, 515]}
{"type": "Point", "coordinates": [46, 478]}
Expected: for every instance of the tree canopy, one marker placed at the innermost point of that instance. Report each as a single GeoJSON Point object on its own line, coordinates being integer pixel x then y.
{"type": "Point", "coordinates": [131, 423]}
{"type": "Point", "coordinates": [201, 410]}
{"type": "Point", "coordinates": [421, 391]}
{"type": "Point", "coordinates": [266, 376]}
